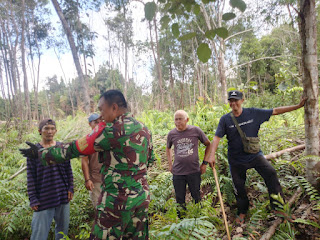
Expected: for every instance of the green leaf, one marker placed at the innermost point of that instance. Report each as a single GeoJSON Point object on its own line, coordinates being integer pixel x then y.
{"type": "Point", "coordinates": [175, 30]}
{"type": "Point", "coordinates": [228, 16]}
{"type": "Point", "coordinates": [222, 32]}
{"type": "Point", "coordinates": [203, 52]}
{"type": "Point", "coordinates": [241, 5]}
{"type": "Point", "coordinates": [150, 9]}
{"type": "Point", "coordinates": [205, 1]}
{"type": "Point", "coordinates": [210, 34]}
{"type": "Point", "coordinates": [188, 6]}
{"type": "Point", "coordinates": [164, 21]}
{"type": "Point", "coordinates": [253, 83]}
{"type": "Point", "coordinates": [196, 9]}
{"type": "Point", "coordinates": [187, 36]}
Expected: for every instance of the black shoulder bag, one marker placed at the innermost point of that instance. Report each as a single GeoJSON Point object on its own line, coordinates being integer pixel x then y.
{"type": "Point", "coordinates": [250, 144]}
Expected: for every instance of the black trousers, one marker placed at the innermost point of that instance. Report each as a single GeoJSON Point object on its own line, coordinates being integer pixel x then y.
{"type": "Point", "coordinates": [180, 186]}
{"type": "Point", "coordinates": [267, 172]}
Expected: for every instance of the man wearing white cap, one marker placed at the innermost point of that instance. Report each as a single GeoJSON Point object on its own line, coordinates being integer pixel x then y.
{"type": "Point", "coordinates": [91, 167]}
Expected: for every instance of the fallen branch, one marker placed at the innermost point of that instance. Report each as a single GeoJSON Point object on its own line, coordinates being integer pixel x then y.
{"type": "Point", "coordinates": [268, 234]}
{"type": "Point", "coordinates": [278, 154]}
{"type": "Point", "coordinates": [17, 173]}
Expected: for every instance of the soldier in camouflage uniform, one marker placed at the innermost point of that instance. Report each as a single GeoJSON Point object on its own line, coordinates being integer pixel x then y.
{"type": "Point", "coordinates": [125, 149]}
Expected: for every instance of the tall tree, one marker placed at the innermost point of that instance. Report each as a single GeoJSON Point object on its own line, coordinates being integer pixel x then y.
{"type": "Point", "coordinates": [310, 80]}
{"type": "Point", "coordinates": [24, 68]}
{"type": "Point", "coordinates": [83, 82]}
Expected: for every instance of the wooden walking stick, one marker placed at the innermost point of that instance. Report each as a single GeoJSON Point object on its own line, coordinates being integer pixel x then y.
{"type": "Point", "coordinates": [221, 201]}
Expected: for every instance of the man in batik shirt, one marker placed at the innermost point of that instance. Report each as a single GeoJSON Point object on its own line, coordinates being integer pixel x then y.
{"type": "Point", "coordinates": [125, 147]}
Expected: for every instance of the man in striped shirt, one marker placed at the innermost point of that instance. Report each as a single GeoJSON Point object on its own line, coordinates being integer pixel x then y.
{"type": "Point", "coordinates": [50, 188]}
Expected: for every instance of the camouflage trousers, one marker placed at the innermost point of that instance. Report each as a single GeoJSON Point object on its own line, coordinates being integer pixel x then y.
{"type": "Point", "coordinates": [121, 217]}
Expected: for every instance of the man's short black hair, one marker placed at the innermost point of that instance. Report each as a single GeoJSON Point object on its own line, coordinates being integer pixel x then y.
{"type": "Point", "coordinates": [115, 96]}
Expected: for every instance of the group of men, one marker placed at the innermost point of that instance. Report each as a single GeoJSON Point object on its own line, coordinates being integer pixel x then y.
{"type": "Point", "coordinates": [125, 152]}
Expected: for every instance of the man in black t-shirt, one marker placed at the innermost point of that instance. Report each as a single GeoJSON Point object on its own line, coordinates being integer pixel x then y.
{"type": "Point", "coordinates": [185, 169]}
{"type": "Point", "coordinates": [249, 120]}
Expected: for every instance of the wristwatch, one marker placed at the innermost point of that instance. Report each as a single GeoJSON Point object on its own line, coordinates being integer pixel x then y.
{"type": "Point", "coordinates": [205, 162]}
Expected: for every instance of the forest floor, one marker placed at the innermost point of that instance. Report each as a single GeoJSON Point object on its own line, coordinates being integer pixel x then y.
{"type": "Point", "coordinates": [304, 208]}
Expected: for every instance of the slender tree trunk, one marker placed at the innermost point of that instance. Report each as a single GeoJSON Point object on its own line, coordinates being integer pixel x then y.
{"type": "Point", "coordinates": [14, 68]}
{"type": "Point", "coordinates": [24, 69]}
{"type": "Point", "coordinates": [125, 53]}
{"type": "Point", "coordinates": [156, 56]}
{"type": "Point", "coordinates": [65, 81]}
{"type": "Point", "coordinates": [182, 87]}
{"type": "Point", "coordinates": [159, 62]}
{"type": "Point", "coordinates": [198, 70]}
{"type": "Point", "coordinates": [172, 92]}
{"type": "Point", "coordinates": [206, 83]}
{"type": "Point", "coordinates": [222, 73]}
{"type": "Point", "coordinates": [82, 79]}
{"type": "Point", "coordinates": [308, 35]}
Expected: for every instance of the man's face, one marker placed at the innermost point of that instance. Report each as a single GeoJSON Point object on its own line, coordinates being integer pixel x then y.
{"type": "Point", "coordinates": [107, 112]}
{"type": "Point", "coordinates": [94, 123]}
{"type": "Point", "coordinates": [48, 132]}
{"type": "Point", "coordinates": [235, 104]}
{"type": "Point", "coordinates": [180, 120]}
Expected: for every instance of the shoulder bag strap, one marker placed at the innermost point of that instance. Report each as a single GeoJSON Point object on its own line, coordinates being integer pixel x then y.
{"type": "Point", "coordinates": [242, 134]}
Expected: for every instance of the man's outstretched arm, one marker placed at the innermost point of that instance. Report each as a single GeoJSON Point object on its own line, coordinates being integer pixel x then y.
{"type": "Point", "coordinates": [280, 110]}
{"type": "Point", "coordinates": [64, 152]}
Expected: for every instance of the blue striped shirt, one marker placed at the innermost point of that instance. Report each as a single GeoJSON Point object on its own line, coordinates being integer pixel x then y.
{"type": "Point", "coordinates": [48, 186]}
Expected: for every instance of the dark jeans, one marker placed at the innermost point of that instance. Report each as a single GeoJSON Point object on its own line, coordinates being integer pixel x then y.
{"type": "Point", "coordinates": [267, 172]}
{"type": "Point", "coordinates": [180, 186]}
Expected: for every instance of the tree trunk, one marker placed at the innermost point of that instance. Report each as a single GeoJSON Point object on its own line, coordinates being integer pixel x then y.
{"type": "Point", "coordinates": [182, 87]}
{"type": "Point", "coordinates": [24, 69]}
{"type": "Point", "coordinates": [222, 73]}
{"type": "Point", "coordinates": [125, 54]}
{"type": "Point", "coordinates": [308, 37]}
{"type": "Point", "coordinates": [65, 81]}
{"type": "Point", "coordinates": [197, 68]}
{"type": "Point", "coordinates": [14, 66]}
{"type": "Point", "coordinates": [83, 82]}
{"type": "Point", "coordinates": [171, 92]}
{"type": "Point", "coordinates": [156, 57]}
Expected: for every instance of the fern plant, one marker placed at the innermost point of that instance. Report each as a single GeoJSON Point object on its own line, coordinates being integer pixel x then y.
{"type": "Point", "coordinates": [194, 228]}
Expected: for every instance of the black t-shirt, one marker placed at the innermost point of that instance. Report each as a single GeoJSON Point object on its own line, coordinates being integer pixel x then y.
{"type": "Point", "coordinates": [249, 121]}
{"type": "Point", "coordinates": [186, 158]}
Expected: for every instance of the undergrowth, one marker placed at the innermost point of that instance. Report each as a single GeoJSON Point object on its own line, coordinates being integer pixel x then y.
{"type": "Point", "coordinates": [203, 220]}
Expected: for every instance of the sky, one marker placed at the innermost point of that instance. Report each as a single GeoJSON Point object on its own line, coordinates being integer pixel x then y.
{"type": "Point", "coordinates": [141, 67]}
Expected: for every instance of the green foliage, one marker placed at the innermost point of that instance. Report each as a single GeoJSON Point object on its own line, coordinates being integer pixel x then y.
{"type": "Point", "coordinates": [175, 30]}
{"type": "Point", "coordinates": [228, 16]}
{"type": "Point", "coordinates": [150, 9]}
{"type": "Point", "coordinates": [241, 5]}
{"type": "Point", "coordinates": [202, 220]}
{"type": "Point", "coordinates": [194, 228]}
{"type": "Point", "coordinates": [307, 222]}
{"type": "Point", "coordinates": [306, 186]}
{"type": "Point", "coordinates": [204, 52]}
{"type": "Point", "coordinates": [222, 32]}
{"type": "Point", "coordinates": [286, 229]}
{"type": "Point", "coordinates": [187, 36]}
{"type": "Point", "coordinates": [161, 190]}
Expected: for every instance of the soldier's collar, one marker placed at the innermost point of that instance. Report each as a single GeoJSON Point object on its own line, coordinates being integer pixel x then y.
{"type": "Point", "coordinates": [121, 117]}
